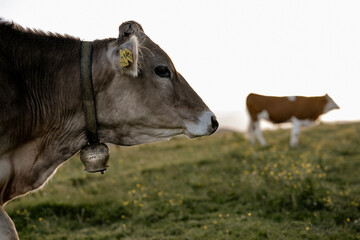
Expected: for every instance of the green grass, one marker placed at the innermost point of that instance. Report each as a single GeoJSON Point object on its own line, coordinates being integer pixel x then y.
{"type": "Point", "coordinates": [217, 187]}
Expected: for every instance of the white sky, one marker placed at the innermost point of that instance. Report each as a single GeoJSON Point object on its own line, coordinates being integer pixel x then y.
{"type": "Point", "coordinates": [227, 49]}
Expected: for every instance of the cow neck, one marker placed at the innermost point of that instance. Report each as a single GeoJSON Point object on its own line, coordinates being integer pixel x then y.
{"type": "Point", "coordinates": [87, 92]}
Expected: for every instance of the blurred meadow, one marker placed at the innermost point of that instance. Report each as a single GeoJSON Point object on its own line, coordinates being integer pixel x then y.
{"type": "Point", "coordinates": [217, 187]}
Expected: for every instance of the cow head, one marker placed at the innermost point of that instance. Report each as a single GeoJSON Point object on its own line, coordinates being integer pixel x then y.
{"type": "Point", "coordinates": [330, 104]}
{"type": "Point", "coordinates": [146, 99]}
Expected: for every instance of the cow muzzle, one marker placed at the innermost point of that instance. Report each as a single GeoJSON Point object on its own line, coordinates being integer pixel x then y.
{"type": "Point", "coordinates": [214, 124]}
{"type": "Point", "coordinates": [206, 125]}
{"type": "Point", "coordinates": [95, 157]}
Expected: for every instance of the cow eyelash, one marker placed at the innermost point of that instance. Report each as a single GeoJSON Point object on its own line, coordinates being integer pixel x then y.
{"type": "Point", "coordinates": [162, 71]}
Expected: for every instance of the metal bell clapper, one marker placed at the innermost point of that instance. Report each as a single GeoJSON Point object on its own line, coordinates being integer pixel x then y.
{"type": "Point", "coordinates": [95, 157]}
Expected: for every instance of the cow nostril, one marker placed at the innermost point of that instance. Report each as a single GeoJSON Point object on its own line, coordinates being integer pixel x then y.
{"type": "Point", "coordinates": [214, 123]}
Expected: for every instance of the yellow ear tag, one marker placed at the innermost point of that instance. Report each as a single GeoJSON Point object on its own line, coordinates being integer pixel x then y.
{"type": "Point", "coordinates": [125, 57]}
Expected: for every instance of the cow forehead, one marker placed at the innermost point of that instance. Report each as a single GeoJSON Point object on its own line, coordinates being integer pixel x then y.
{"type": "Point", "coordinates": [154, 52]}
{"type": "Point", "coordinates": [150, 60]}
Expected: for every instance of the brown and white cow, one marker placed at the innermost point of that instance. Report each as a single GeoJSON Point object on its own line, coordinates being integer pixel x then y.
{"type": "Point", "coordinates": [301, 111]}
{"type": "Point", "coordinates": [41, 116]}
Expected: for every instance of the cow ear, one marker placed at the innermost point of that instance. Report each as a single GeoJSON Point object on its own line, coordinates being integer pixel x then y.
{"type": "Point", "coordinates": [128, 28]}
{"type": "Point", "coordinates": [125, 57]}
{"type": "Point", "coordinates": [125, 54]}
{"type": "Point", "coordinates": [128, 56]}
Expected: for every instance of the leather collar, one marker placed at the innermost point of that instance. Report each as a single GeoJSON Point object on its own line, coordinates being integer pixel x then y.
{"type": "Point", "coordinates": [87, 92]}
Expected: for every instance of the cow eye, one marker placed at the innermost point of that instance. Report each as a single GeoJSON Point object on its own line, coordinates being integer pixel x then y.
{"type": "Point", "coordinates": [162, 71]}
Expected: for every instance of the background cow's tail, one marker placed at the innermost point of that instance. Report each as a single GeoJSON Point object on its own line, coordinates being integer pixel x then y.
{"type": "Point", "coordinates": [7, 227]}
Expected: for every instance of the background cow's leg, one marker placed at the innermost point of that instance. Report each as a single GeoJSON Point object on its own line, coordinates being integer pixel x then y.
{"type": "Point", "coordinates": [259, 134]}
{"type": "Point", "coordinates": [294, 139]}
{"type": "Point", "coordinates": [251, 130]}
{"type": "Point", "coordinates": [7, 227]}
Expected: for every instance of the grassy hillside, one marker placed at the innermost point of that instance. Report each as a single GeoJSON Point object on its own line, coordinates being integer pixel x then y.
{"type": "Point", "coordinates": [217, 187]}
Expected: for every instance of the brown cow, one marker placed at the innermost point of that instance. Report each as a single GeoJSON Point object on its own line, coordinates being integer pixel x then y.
{"type": "Point", "coordinates": [142, 99]}
{"type": "Point", "coordinates": [301, 111]}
